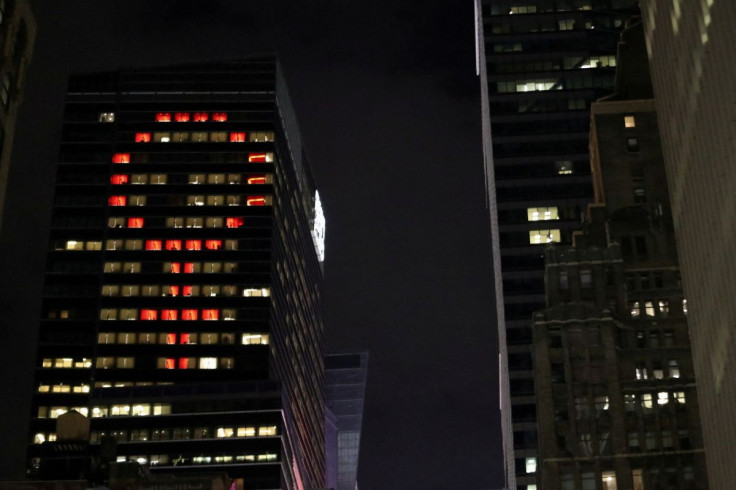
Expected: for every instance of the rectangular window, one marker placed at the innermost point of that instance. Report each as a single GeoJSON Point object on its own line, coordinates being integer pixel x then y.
{"type": "Point", "coordinates": [260, 157]}
{"type": "Point", "coordinates": [121, 158]}
{"type": "Point", "coordinates": [142, 137]}
{"type": "Point", "coordinates": [153, 244]}
{"type": "Point", "coordinates": [564, 167]}
{"type": "Point", "coordinates": [210, 314]}
{"type": "Point", "coordinates": [187, 363]}
{"type": "Point", "coordinates": [117, 200]}
{"type": "Point", "coordinates": [192, 267]}
{"type": "Point", "coordinates": [237, 137]}
{"type": "Point", "coordinates": [219, 116]}
{"type": "Point", "coordinates": [135, 222]}
{"type": "Point", "coordinates": [173, 244]}
{"type": "Point", "coordinates": [256, 201]}
{"type": "Point", "coordinates": [149, 314]}
{"type": "Point", "coordinates": [118, 179]}
{"type": "Point", "coordinates": [632, 144]}
{"type": "Point", "coordinates": [234, 222]}
{"type": "Point", "coordinates": [544, 236]}
{"type": "Point", "coordinates": [162, 137]}
{"type": "Point", "coordinates": [629, 122]}
{"type": "Point", "coordinates": [255, 339]}
{"type": "Point", "coordinates": [107, 117]}
{"type": "Point", "coordinates": [172, 267]}
{"type": "Point", "coordinates": [201, 117]}
{"type": "Point", "coordinates": [163, 117]}
{"type": "Point", "coordinates": [181, 117]}
{"type": "Point", "coordinates": [208, 363]}
{"type": "Point", "coordinates": [169, 314]}
{"type": "Point", "coordinates": [189, 314]}
{"type": "Point", "coordinates": [542, 214]}
{"type": "Point", "coordinates": [213, 244]}
{"type": "Point", "coordinates": [193, 244]}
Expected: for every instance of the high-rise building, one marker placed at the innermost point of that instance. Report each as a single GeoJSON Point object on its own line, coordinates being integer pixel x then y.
{"type": "Point", "coordinates": [17, 36]}
{"type": "Point", "coordinates": [690, 46]}
{"type": "Point", "coordinates": [617, 404]}
{"type": "Point", "coordinates": [345, 380]}
{"type": "Point", "coordinates": [541, 64]}
{"type": "Point", "coordinates": [183, 298]}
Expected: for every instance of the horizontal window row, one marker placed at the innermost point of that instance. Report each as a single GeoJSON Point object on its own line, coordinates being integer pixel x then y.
{"type": "Point", "coordinates": [130, 290]}
{"type": "Point", "coordinates": [180, 460]}
{"type": "Point", "coordinates": [232, 200]}
{"type": "Point", "coordinates": [657, 369]}
{"type": "Point", "coordinates": [186, 117]}
{"type": "Point", "coordinates": [160, 179]}
{"type": "Point", "coordinates": [140, 409]}
{"type": "Point", "coordinates": [63, 388]}
{"type": "Point", "coordinates": [171, 245]}
{"type": "Point", "coordinates": [190, 338]}
{"type": "Point", "coordinates": [194, 362]}
{"type": "Point", "coordinates": [647, 401]}
{"type": "Point", "coordinates": [174, 267]}
{"type": "Point", "coordinates": [67, 363]}
{"type": "Point", "coordinates": [172, 314]}
{"type": "Point", "coordinates": [653, 308]}
{"type": "Point", "coordinates": [204, 137]}
{"type": "Point", "coordinates": [180, 222]}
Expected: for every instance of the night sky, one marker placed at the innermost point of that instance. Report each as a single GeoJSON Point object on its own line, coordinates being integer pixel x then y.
{"type": "Point", "coordinates": [388, 102]}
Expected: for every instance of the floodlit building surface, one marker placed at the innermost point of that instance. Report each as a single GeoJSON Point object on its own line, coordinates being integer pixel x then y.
{"type": "Point", "coordinates": [690, 45]}
{"type": "Point", "coordinates": [345, 381]}
{"type": "Point", "coordinates": [616, 399]}
{"type": "Point", "coordinates": [17, 35]}
{"type": "Point", "coordinates": [182, 305]}
{"type": "Point", "coordinates": [541, 63]}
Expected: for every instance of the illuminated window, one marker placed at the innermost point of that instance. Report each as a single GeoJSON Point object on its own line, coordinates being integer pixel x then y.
{"type": "Point", "coordinates": [139, 179]}
{"type": "Point", "coordinates": [542, 214]}
{"type": "Point", "coordinates": [163, 117]}
{"type": "Point", "coordinates": [107, 117]}
{"type": "Point", "coordinates": [255, 339]}
{"type": "Point", "coordinates": [191, 291]}
{"type": "Point", "coordinates": [259, 179]}
{"type": "Point", "coordinates": [153, 244]}
{"type": "Point", "coordinates": [213, 244]}
{"type": "Point", "coordinates": [260, 157]}
{"type": "Point", "coordinates": [531, 465]}
{"type": "Point", "coordinates": [233, 200]}
{"type": "Point", "coordinates": [118, 179]}
{"type": "Point", "coordinates": [673, 368]}
{"type": "Point", "coordinates": [169, 314]}
{"type": "Point", "coordinates": [162, 137]}
{"type": "Point", "coordinates": [121, 158]}
{"type": "Point", "coordinates": [233, 178]}
{"type": "Point", "coordinates": [219, 116]}
{"type": "Point", "coordinates": [251, 292]}
{"type": "Point", "coordinates": [208, 363]}
{"type": "Point", "coordinates": [142, 137]}
{"type": "Point", "coordinates": [150, 290]}
{"type": "Point", "coordinates": [135, 222]}
{"type": "Point", "coordinates": [544, 236]}
{"type": "Point", "coordinates": [256, 201]}
{"type": "Point", "coordinates": [149, 314]}
{"type": "Point", "coordinates": [173, 244]}
{"type": "Point", "coordinates": [214, 222]}
{"type": "Point", "coordinates": [196, 178]}
{"type": "Point", "coordinates": [679, 396]}
{"type": "Point", "coordinates": [136, 200]}
{"type": "Point", "coordinates": [195, 200]}
{"type": "Point", "coordinates": [210, 314]}
{"type": "Point", "coordinates": [629, 121]}
{"type": "Point", "coordinates": [237, 137]}
{"type": "Point", "coordinates": [157, 179]}
{"type": "Point", "coordinates": [215, 200]}
{"type": "Point", "coordinates": [192, 267]}
{"type": "Point", "coordinates": [194, 222]}
{"type": "Point", "coordinates": [117, 200]}
{"type": "Point", "coordinates": [188, 338]}
{"type": "Point", "coordinates": [260, 136]}
{"type": "Point", "coordinates": [199, 137]}
{"type": "Point", "coordinates": [181, 117]}
{"type": "Point", "coordinates": [649, 308]}
{"type": "Point", "coordinates": [664, 307]}
{"type": "Point", "coordinates": [110, 290]}
{"type": "Point", "coordinates": [684, 306]}
{"type": "Point", "coordinates": [131, 290]}
{"type": "Point", "coordinates": [193, 244]}
{"type": "Point", "coordinates": [133, 244]}
{"type": "Point", "coordinates": [234, 222]}
{"type": "Point", "coordinates": [131, 267]}
{"type": "Point", "coordinates": [189, 314]}
{"type": "Point", "coordinates": [172, 267]}
{"type": "Point", "coordinates": [187, 363]}
{"type": "Point", "coordinates": [114, 222]}
{"type": "Point", "coordinates": [269, 430]}
{"type": "Point", "coordinates": [564, 167]}
{"type": "Point", "coordinates": [201, 117]}
{"type": "Point", "coordinates": [231, 244]}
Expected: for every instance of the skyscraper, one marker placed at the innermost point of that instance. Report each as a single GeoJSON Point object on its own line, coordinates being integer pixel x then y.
{"type": "Point", "coordinates": [541, 63]}
{"type": "Point", "coordinates": [17, 36]}
{"type": "Point", "coordinates": [690, 46]}
{"type": "Point", "coordinates": [182, 304]}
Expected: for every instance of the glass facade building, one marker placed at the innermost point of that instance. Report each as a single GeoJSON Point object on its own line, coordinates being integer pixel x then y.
{"type": "Point", "coordinates": [541, 64]}
{"type": "Point", "coordinates": [182, 304]}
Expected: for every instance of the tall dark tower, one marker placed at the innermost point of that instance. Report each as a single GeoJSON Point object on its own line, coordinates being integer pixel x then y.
{"type": "Point", "coordinates": [182, 307]}
{"type": "Point", "coordinates": [541, 63]}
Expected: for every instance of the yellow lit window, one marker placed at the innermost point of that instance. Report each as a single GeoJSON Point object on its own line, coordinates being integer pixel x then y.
{"type": "Point", "coordinates": [542, 214]}
{"type": "Point", "coordinates": [269, 430]}
{"type": "Point", "coordinates": [629, 121]}
{"type": "Point", "coordinates": [255, 339]}
{"type": "Point", "coordinates": [246, 431]}
{"type": "Point", "coordinates": [544, 236]}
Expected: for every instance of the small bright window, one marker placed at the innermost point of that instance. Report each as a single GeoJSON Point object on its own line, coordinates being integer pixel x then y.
{"type": "Point", "coordinates": [163, 117]}
{"type": "Point", "coordinates": [531, 465]}
{"type": "Point", "coordinates": [142, 137]}
{"type": "Point", "coordinates": [542, 214]}
{"type": "Point", "coordinates": [107, 117]}
{"type": "Point", "coordinates": [208, 363]}
{"type": "Point", "coordinates": [544, 236]}
{"type": "Point", "coordinates": [629, 121]}
{"type": "Point", "coordinates": [564, 167]}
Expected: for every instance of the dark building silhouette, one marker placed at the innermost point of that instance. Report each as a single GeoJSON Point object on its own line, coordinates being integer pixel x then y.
{"type": "Point", "coordinates": [617, 406]}
{"type": "Point", "coordinates": [690, 45]}
{"type": "Point", "coordinates": [541, 63]}
{"type": "Point", "coordinates": [17, 37]}
{"type": "Point", "coordinates": [182, 304]}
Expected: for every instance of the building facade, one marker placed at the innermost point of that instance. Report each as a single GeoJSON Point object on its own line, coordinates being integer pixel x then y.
{"type": "Point", "coordinates": [541, 64]}
{"type": "Point", "coordinates": [17, 36]}
{"type": "Point", "coordinates": [689, 45]}
{"type": "Point", "coordinates": [183, 298]}
{"type": "Point", "coordinates": [616, 398]}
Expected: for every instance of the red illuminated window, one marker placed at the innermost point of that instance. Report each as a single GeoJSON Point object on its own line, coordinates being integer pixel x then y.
{"type": "Point", "coordinates": [183, 363]}
{"type": "Point", "coordinates": [189, 314]}
{"type": "Point", "coordinates": [175, 267]}
{"type": "Point", "coordinates": [187, 290]}
{"type": "Point", "coordinates": [170, 361]}
{"type": "Point", "coordinates": [142, 137]}
{"type": "Point", "coordinates": [256, 157]}
{"type": "Point", "coordinates": [153, 244]}
{"type": "Point", "coordinates": [194, 244]}
{"type": "Point", "coordinates": [169, 314]}
{"type": "Point", "coordinates": [173, 244]}
{"type": "Point", "coordinates": [181, 117]}
{"type": "Point", "coordinates": [135, 222]}
{"type": "Point", "coordinates": [173, 290]}
{"type": "Point", "coordinates": [163, 117]}
{"type": "Point", "coordinates": [210, 314]}
{"type": "Point", "coordinates": [118, 179]}
{"type": "Point", "coordinates": [171, 339]}
{"type": "Point", "coordinates": [219, 116]}
{"type": "Point", "coordinates": [149, 315]}
{"type": "Point", "coordinates": [234, 222]}
{"type": "Point", "coordinates": [237, 137]}
{"type": "Point", "coordinates": [188, 267]}
{"type": "Point", "coordinates": [117, 200]}
{"type": "Point", "coordinates": [256, 179]}
{"type": "Point", "coordinates": [185, 338]}
{"type": "Point", "coordinates": [256, 201]}
{"type": "Point", "coordinates": [213, 244]}
{"type": "Point", "coordinates": [121, 158]}
{"type": "Point", "coordinates": [201, 116]}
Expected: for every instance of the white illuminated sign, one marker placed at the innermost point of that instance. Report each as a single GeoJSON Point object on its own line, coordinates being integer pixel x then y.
{"type": "Point", "coordinates": [318, 228]}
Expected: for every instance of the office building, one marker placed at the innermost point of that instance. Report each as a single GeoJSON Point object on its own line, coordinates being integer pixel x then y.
{"type": "Point", "coordinates": [183, 298]}
{"type": "Point", "coordinates": [617, 405]}
{"type": "Point", "coordinates": [690, 50]}
{"type": "Point", "coordinates": [17, 35]}
{"type": "Point", "coordinates": [345, 381]}
{"type": "Point", "coordinates": [541, 63]}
